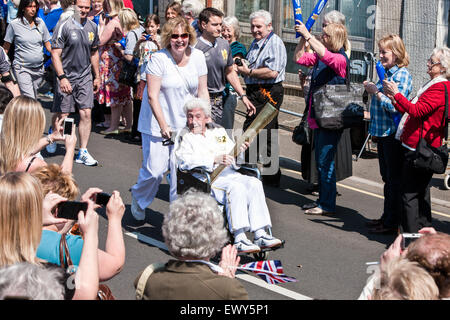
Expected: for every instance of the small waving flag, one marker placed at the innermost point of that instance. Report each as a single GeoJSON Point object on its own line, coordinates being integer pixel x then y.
{"type": "Point", "coordinates": [270, 271]}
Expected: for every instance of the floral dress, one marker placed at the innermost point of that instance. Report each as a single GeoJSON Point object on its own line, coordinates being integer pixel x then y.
{"type": "Point", "coordinates": [111, 92]}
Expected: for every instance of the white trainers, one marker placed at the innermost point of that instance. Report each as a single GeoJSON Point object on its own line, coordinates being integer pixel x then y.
{"type": "Point", "coordinates": [246, 246]}
{"type": "Point", "coordinates": [267, 241]}
{"type": "Point", "coordinates": [136, 211]}
{"type": "Point", "coordinates": [85, 158]}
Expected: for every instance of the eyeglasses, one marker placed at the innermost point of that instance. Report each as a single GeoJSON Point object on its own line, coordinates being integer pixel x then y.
{"type": "Point", "coordinates": [183, 36]}
{"type": "Point", "coordinates": [432, 63]}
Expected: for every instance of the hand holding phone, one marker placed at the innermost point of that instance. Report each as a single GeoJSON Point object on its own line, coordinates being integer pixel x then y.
{"type": "Point", "coordinates": [102, 198]}
{"type": "Point", "coordinates": [68, 125]}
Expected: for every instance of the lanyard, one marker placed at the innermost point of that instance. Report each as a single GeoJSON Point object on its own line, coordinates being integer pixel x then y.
{"type": "Point", "coordinates": [261, 49]}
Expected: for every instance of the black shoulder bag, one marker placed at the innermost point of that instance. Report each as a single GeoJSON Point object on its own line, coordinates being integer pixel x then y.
{"type": "Point", "coordinates": [430, 158]}
{"type": "Point", "coordinates": [129, 70]}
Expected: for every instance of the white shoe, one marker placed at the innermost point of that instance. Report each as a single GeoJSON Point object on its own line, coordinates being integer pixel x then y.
{"type": "Point", "coordinates": [85, 158]}
{"type": "Point", "coordinates": [136, 211]}
{"type": "Point", "coordinates": [246, 246]}
{"type": "Point", "coordinates": [267, 241]}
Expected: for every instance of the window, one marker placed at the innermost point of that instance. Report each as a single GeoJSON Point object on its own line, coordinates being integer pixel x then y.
{"type": "Point", "coordinates": [360, 15]}
{"type": "Point", "coordinates": [245, 7]}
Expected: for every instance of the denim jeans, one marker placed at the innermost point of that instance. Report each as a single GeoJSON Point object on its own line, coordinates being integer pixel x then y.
{"type": "Point", "coordinates": [229, 107]}
{"type": "Point", "coordinates": [325, 149]}
{"type": "Point", "coordinates": [390, 159]}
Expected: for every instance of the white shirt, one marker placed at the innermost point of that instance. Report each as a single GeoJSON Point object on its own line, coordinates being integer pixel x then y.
{"type": "Point", "coordinates": [178, 85]}
{"type": "Point", "coordinates": [198, 150]}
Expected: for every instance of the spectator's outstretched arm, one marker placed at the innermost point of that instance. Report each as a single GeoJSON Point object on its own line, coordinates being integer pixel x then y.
{"type": "Point", "coordinates": [86, 280]}
{"type": "Point", "coordinates": [112, 260]}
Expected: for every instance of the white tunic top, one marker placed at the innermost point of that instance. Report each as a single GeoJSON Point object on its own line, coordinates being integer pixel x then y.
{"type": "Point", "coordinates": [178, 85]}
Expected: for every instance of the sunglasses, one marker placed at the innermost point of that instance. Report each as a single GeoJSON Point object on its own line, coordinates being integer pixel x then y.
{"type": "Point", "coordinates": [182, 36]}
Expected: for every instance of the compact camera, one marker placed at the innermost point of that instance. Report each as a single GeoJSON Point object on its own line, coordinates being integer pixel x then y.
{"type": "Point", "coordinates": [238, 61]}
{"type": "Point", "coordinates": [407, 238]}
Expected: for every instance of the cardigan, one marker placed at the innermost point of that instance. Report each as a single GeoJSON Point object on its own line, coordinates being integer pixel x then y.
{"type": "Point", "coordinates": [429, 108]}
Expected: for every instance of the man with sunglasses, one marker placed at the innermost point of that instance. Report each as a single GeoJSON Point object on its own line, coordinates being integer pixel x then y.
{"type": "Point", "coordinates": [219, 61]}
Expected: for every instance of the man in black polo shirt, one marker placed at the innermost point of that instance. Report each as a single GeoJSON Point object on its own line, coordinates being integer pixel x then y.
{"type": "Point", "coordinates": [219, 62]}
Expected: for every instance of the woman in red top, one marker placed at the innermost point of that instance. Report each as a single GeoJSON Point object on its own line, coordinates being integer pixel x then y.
{"type": "Point", "coordinates": [426, 108]}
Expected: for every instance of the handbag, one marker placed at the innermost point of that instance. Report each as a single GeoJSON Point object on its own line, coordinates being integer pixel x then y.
{"type": "Point", "coordinates": [430, 158]}
{"type": "Point", "coordinates": [339, 106]}
{"type": "Point", "coordinates": [104, 292]}
{"type": "Point", "coordinates": [302, 133]}
{"type": "Point", "coordinates": [128, 73]}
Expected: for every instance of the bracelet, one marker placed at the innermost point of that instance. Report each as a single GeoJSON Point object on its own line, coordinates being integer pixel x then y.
{"type": "Point", "coordinates": [242, 96]}
{"type": "Point", "coordinates": [308, 39]}
{"type": "Point", "coordinates": [250, 73]}
{"type": "Point", "coordinates": [63, 76]}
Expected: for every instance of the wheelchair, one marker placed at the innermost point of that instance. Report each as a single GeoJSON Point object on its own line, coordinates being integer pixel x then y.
{"type": "Point", "coordinates": [199, 179]}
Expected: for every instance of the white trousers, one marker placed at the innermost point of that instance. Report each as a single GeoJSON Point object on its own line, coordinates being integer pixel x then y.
{"type": "Point", "coordinates": [157, 159]}
{"type": "Point", "coordinates": [244, 199]}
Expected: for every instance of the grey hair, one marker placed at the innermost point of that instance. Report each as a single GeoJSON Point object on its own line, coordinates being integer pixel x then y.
{"type": "Point", "coordinates": [198, 103]}
{"type": "Point", "coordinates": [261, 14]}
{"type": "Point", "coordinates": [443, 54]}
{"type": "Point", "coordinates": [194, 227]}
{"type": "Point", "coordinates": [192, 6]}
{"type": "Point", "coordinates": [28, 280]}
{"type": "Point", "coordinates": [233, 22]}
{"type": "Point", "coordinates": [334, 17]}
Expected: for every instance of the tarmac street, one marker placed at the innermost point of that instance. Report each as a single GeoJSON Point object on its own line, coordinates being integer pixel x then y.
{"type": "Point", "coordinates": [326, 254]}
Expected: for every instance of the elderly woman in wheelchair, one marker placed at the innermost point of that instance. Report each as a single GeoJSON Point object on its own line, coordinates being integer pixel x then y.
{"type": "Point", "coordinates": [208, 146]}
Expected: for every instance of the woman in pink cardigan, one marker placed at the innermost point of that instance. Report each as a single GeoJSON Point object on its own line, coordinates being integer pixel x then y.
{"type": "Point", "coordinates": [426, 108]}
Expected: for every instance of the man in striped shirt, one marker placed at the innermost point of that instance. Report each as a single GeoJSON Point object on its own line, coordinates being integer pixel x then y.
{"type": "Point", "coordinates": [263, 77]}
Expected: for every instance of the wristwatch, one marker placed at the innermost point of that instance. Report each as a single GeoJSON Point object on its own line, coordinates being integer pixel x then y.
{"type": "Point", "coordinates": [63, 76]}
{"type": "Point", "coordinates": [242, 96]}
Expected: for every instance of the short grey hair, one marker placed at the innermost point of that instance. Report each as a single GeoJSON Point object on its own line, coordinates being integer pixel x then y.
{"type": "Point", "coordinates": [334, 17]}
{"type": "Point", "coordinates": [194, 227]}
{"type": "Point", "coordinates": [233, 22]}
{"type": "Point", "coordinates": [28, 280]}
{"type": "Point", "coordinates": [443, 54]}
{"type": "Point", "coordinates": [198, 103]}
{"type": "Point", "coordinates": [192, 6]}
{"type": "Point", "coordinates": [267, 17]}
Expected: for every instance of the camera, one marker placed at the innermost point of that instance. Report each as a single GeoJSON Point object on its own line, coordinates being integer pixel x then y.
{"type": "Point", "coordinates": [70, 209]}
{"type": "Point", "coordinates": [407, 238]}
{"type": "Point", "coordinates": [238, 62]}
{"type": "Point", "coordinates": [68, 124]}
{"type": "Point", "coordinates": [102, 198]}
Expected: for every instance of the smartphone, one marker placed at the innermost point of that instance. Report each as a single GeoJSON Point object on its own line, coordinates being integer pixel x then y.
{"type": "Point", "coordinates": [70, 209]}
{"type": "Point", "coordinates": [102, 198]}
{"type": "Point", "coordinates": [68, 125]}
{"type": "Point", "coordinates": [407, 238]}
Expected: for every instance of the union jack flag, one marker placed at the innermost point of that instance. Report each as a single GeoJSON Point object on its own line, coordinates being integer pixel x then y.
{"type": "Point", "coordinates": [270, 270]}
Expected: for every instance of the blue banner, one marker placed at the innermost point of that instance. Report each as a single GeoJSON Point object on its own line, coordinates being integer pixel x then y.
{"type": "Point", "coordinates": [315, 14]}
{"type": "Point", "coordinates": [297, 4]}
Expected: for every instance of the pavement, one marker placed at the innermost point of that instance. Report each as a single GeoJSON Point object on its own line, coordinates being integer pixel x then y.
{"type": "Point", "coordinates": [326, 254]}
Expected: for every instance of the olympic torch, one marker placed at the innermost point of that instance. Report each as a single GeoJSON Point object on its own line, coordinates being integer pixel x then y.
{"type": "Point", "coordinates": [297, 4]}
{"type": "Point", "coordinates": [267, 114]}
{"type": "Point", "coordinates": [315, 14]}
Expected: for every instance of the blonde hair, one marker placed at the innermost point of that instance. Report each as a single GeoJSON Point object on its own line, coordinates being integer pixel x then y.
{"type": "Point", "coordinates": [53, 179]}
{"type": "Point", "coordinates": [395, 43]}
{"type": "Point", "coordinates": [128, 19]}
{"type": "Point", "coordinates": [170, 26]}
{"type": "Point", "coordinates": [116, 6]}
{"type": "Point", "coordinates": [23, 126]}
{"type": "Point", "coordinates": [21, 200]}
{"type": "Point", "coordinates": [405, 280]}
{"type": "Point", "coordinates": [337, 36]}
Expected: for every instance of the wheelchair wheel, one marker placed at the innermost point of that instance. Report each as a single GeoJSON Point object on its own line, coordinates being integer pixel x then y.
{"type": "Point", "coordinates": [260, 256]}
{"type": "Point", "coordinates": [447, 182]}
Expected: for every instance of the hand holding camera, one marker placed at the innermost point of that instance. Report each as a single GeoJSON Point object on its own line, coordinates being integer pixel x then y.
{"type": "Point", "coordinates": [115, 207]}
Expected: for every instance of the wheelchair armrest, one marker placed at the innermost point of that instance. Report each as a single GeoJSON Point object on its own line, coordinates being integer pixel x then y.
{"type": "Point", "coordinates": [250, 171]}
{"type": "Point", "coordinates": [200, 170]}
